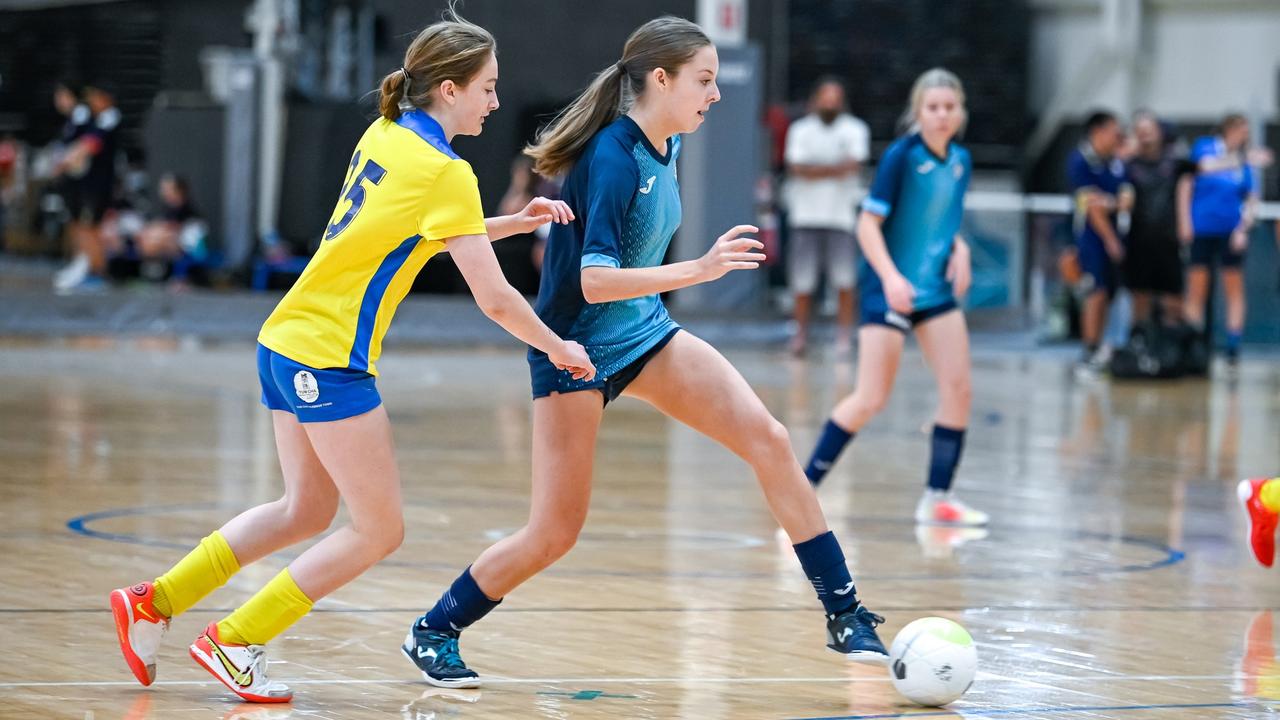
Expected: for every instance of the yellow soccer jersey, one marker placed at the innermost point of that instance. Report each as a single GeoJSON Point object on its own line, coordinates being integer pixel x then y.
{"type": "Point", "coordinates": [405, 193]}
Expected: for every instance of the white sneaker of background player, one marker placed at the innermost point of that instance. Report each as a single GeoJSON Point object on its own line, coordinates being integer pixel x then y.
{"type": "Point", "coordinates": [73, 274]}
{"type": "Point", "coordinates": [943, 508]}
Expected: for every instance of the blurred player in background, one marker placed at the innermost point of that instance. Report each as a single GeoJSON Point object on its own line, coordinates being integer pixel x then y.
{"type": "Point", "coordinates": [915, 266]}
{"type": "Point", "coordinates": [1219, 209]}
{"type": "Point", "coordinates": [1097, 179]}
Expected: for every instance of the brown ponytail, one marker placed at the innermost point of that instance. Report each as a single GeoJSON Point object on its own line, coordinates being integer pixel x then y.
{"type": "Point", "coordinates": [392, 94]}
{"type": "Point", "coordinates": [452, 49]}
{"type": "Point", "coordinates": [666, 42]}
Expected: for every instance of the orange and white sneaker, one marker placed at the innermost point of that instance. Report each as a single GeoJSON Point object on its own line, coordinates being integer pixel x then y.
{"type": "Point", "coordinates": [1262, 522]}
{"type": "Point", "coordinates": [943, 508]}
{"type": "Point", "coordinates": [140, 628]}
{"type": "Point", "coordinates": [242, 668]}
{"type": "Point", "coordinates": [939, 542]}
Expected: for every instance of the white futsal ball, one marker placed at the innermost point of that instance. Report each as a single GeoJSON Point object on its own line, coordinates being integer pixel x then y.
{"type": "Point", "coordinates": [933, 661]}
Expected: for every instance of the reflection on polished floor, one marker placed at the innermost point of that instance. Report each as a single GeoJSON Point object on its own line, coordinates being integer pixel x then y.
{"type": "Point", "coordinates": [1114, 582]}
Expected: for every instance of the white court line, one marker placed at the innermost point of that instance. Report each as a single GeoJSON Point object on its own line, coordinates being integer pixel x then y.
{"type": "Point", "coordinates": [644, 680]}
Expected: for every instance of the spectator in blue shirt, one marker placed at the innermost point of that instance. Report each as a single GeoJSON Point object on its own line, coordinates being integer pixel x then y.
{"type": "Point", "coordinates": [1218, 211]}
{"type": "Point", "coordinates": [1098, 182]}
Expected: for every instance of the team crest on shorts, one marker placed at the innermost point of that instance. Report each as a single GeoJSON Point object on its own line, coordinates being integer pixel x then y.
{"type": "Point", "coordinates": [305, 385]}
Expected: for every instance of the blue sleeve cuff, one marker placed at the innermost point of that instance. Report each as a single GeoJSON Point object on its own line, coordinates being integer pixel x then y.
{"type": "Point", "coordinates": [599, 260]}
{"type": "Point", "coordinates": [876, 206]}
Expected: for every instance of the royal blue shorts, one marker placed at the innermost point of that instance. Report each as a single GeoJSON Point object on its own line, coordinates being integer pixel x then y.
{"type": "Point", "coordinates": [314, 395]}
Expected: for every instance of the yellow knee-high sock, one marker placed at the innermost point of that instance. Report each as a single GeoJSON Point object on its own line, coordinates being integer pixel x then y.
{"type": "Point", "coordinates": [1269, 494]}
{"type": "Point", "coordinates": [277, 606]}
{"type": "Point", "coordinates": [203, 570]}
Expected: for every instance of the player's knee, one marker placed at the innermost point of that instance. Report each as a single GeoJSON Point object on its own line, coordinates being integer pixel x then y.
{"type": "Point", "coordinates": [389, 536]}
{"type": "Point", "coordinates": [309, 518]}
{"type": "Point", "coordinates": [777, 436]}
{"type": "Point", "coordinates": [770, 441]}
{"type": "Point", "coordinates": [872, 402]}
{"type": "Point", "coordinates": [554, 542]}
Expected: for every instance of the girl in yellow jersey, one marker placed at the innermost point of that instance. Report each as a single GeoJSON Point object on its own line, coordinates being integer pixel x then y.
{"type": "Point", "coordinates": [406, 197]}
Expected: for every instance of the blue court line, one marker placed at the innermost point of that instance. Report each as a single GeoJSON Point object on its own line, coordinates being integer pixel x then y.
{"type": "Point", "coordinates": [80, 526]}
{"type": "Point", "coordinates": [968, 713]}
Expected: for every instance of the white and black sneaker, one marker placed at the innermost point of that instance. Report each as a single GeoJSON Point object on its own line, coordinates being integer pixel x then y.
{"type": "Point", "coordinates": [435, 653]}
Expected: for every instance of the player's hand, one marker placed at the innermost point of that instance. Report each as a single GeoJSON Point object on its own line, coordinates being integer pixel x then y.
{"type": "Point", "coordinates": [1116, 251]}
{"type": "Point", "coordinates": [960, 269]}
{"type": "Point", "coordinates": [731, 252]}
{"type": "Point", "coordinates": [900, 294]}
{"type": "Point", "coordinates": [573, 357]}
{"type": "Point", "coordinates": [1260, 157]}
{"type": "Point", "coordinates": [541, 211]}
{"type": "Point", "coordinates": [1239, 240]}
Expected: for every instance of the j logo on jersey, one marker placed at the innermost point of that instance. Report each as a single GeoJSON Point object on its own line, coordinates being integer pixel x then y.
{"type": "Point", "coordinates": [304, 384]}
{"type": "Point", "coordinates": [648, 185]}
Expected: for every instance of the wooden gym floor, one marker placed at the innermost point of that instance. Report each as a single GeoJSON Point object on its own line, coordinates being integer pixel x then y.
{"type": "Point", "coordinates": [1114, 582]}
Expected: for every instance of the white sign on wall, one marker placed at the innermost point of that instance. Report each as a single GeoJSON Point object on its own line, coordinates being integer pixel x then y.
{"type": "Point", "coordinates": [725, 21]}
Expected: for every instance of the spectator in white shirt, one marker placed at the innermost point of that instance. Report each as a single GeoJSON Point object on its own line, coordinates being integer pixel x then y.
{"type": "Point", "coordinates": [825, 153]}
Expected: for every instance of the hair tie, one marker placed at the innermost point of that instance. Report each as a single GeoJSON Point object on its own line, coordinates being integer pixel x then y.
{"type": "Point", "coordinates": [406, 79]}
{"type": "Point", "coordinates": [622, 67]}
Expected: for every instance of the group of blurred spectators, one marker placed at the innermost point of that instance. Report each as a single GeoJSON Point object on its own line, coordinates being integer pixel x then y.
{"type": "Point", "coordinates": [1158, 218]}
{"type": "Point", "coordinates": [1154, 216]}
{"type": "Point", "coordinates": [85, 200]}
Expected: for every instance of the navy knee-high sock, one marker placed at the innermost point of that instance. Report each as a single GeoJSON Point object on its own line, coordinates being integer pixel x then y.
{"type": "Point", "coordinates": [831, 442]}
{"type": "Point", "coordinates": [948, 443]}
{"type": "Point", "coordinates": [823, 563]}
{"type": "Point", "coordinates": [461, 605]}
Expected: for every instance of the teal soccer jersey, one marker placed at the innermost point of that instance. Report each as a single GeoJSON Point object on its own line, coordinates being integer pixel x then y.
{"type": "Point", "coordinates": [921, 198]}
{"type": "Point", "coordinates": [627, 202]}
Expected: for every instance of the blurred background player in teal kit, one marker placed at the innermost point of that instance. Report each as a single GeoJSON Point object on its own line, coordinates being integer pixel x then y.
{"type": "Point", "coordinates": [915, 265]}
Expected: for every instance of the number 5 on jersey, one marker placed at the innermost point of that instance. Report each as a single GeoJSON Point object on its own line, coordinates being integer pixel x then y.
{"type": "Point", "coordinates": [354, 193]}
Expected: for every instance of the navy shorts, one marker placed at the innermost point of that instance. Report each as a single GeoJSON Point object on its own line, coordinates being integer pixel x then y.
{"type": "Point", "coordinates": [904, 323]}
{"type": "Point", "coordinates": [1206, 248]}
{"type": "Point", "coordinates": [1098, 265]}
{"type": "Point", "coordinates": [545, 380]}
{"type": "Point", "coordinates": [314, 395]}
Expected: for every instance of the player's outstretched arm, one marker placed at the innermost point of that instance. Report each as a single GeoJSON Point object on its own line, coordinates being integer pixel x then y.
{"type": "Point", "coordinates": [730, 252]}
{"type": "Point", "coordinates": [537, 213]}
{"type": "Point", "coordinates": [505, 306]}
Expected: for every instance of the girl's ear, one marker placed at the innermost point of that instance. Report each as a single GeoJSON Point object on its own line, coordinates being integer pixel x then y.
{"type": "Point", "coordinates": [449, 91]}
{"type": "Point", "coordinates": [660, 77]}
